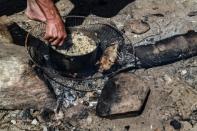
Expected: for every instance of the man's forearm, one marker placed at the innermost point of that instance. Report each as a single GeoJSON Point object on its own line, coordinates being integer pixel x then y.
{"type": "Point", "coordinates": [49, 9]}
{"type": "Point", "coordinates": [55, 30]}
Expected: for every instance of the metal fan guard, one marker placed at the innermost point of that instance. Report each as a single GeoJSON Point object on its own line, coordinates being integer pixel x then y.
{"type": "Point", "coordinates": [37, 48]}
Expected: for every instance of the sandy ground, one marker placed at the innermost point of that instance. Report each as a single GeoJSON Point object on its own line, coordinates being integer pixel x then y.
{"type": "Point", "coordinates": [172, 104]}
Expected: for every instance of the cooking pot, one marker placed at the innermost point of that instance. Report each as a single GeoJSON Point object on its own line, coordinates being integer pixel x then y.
{"type": "Point", "coordinates": [77, 63]}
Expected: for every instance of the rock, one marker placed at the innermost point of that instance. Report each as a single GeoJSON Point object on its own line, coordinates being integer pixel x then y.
{"type": "Point", "coordinates": [188, 75]}
{"type": "Point", "coordinates": [186, 126]}
{"type": "Point", "coordinates": [175, 124]}
{"type": "Point", "coordinates": [183, 72]}
{"type": "Point", "coordinates": [2, 114]}
{"type": "Point", "coordinates": [126, 128]}
{"type": "Point", "coordinates": [5, 36]}
{"type": "Point", "coordinates": [34, 113]}
{"type": "Point", "coordinates": [92, 103]}
{"type": "Point", "coordinates": [192, 13]}
{"type": "Point", "coordinates": [34, 122]}
{"type": "Point", "coordinates": [26, 114]}
{"type": "Point", "coordinates": [158, 129]}
{"type": "Point", "coordinates": [44, 128]}
{"type": "Point", "coordinates": [78, 112]}
{"type": "Point", "coordinates": [20, 87]}
{"type": "Point", "coordinates": [194, 128]}
{"type": "Point", "coordinates": [184, 100]}
{"type": "Point", "coordinates": [138, 26]}
{"type": "Point", "coordinates": [82, 114]}
{"type": "Point", "coordinates": [123, 93]}
{"type": "Point", "coordinates": [167, 79]}
{"type": "Point", "coordinates": [59, 115]}
{"type": "Point", "coordinates": [46, 115]}
{"type": "Point", "coordinates": [14, 128]}
{"type": "Point", "coordinates": [13, 122]}
{"type": "Point", "coordinates": [167, 127]}
{"type": "Point", "coordinates": [89, 120]}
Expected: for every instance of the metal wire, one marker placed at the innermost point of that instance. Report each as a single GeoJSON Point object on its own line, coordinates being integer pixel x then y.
{"type": "Point", "coordinates": [37, 48]}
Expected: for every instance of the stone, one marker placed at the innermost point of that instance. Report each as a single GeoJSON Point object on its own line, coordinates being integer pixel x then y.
{"type": "Point", "coordinates": [158, 129]}
{"type": "Point", "coordinates": [59, 115]}
{"type": "Point", "coordinates": [183, 72]}
{"type": "Point", "coordinates": [78, 112]}
{"type": "Point", "coordinates": [194, 128]}
{"type": "Point", "coordinates": [2, 114]}
{"type": "Point", "coordinates": [44, 128]}
{"type": "Point", "coordinates": [175, 124]}
{"type": "Point", "coordinates": [186, 126]}
{"type": "Point", "coordinates": [189, 76]}
{"type": "Point", "coordinates": [5, 35]}
{"type": "Point", "coordinates": [46, 115]}
{"type": "Point", "coordinates": [184, 99]}
{"type": "Point", "coordinates": [34, 122]}
{"type": "Point", "coordinates": [13, 122]}
{"type": "Point", "coordinates": [123, 93]}
{"type": "Point", "coordinates": [138, 26]}
{"type": "Point", "coordinates": [192, 13]}
{"type": "Point", "coordinates": [92, 103]}
{"type": "Point", "coordinates": [126, 128]}
{"type": "Point", "coordinates": [26, 114]}
{"type": "Point", "coordinates": [89, 120]}
{"type": "Point", "coordinates": [167, 127]}
{"type": "Point", "coordinates": [20, 87]}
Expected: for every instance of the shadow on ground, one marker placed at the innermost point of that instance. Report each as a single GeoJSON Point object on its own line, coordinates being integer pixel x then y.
{"type": "Point", "coordinates": [18, 34]}
{"type": "Point", "coordinates": [9, 7]}
{"type": "Point", "coordinates": [101, 8]}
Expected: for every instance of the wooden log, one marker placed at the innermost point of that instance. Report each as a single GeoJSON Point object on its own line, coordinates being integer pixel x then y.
{"type": "Point", "coordinates": [168, 50]}
{"type": "Point", "coordinates": [19, 86]}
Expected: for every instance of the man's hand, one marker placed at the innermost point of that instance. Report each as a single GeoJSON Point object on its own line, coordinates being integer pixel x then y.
{"type": "Point", "coordinates": [55, 32]}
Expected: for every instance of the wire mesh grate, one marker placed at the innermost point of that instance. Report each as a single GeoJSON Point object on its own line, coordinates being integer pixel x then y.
{"type": "Point", "coordinates": [107, 34]}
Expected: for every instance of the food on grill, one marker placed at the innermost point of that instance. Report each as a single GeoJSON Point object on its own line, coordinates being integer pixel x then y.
{"type": "Point", "coordinates": [109, 57]}
{"type": "Point", "coordinates": [77, 44]}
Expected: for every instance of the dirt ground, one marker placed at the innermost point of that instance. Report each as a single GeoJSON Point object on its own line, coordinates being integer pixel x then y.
{"type": "Point", "coordinates": [172, 103]}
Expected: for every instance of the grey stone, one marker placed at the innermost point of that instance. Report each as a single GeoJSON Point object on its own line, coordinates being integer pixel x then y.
{"type": "Point", "coordinates": [122, 94]}
{"type": "Point", "coordinates": [186, 126]}
{"type": "Point", "coordinates": [194, 128]}
{"type": "Point", "coordinates": [13, 122]}
{"type": "Point", "coordinates": [138, 26]}
{"type": "Point", "coordinates": [19, 86]}
{"type": "Point", "coordinates": [34, 122]}
{"type": "Point", "coordinates": [5, 35]}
